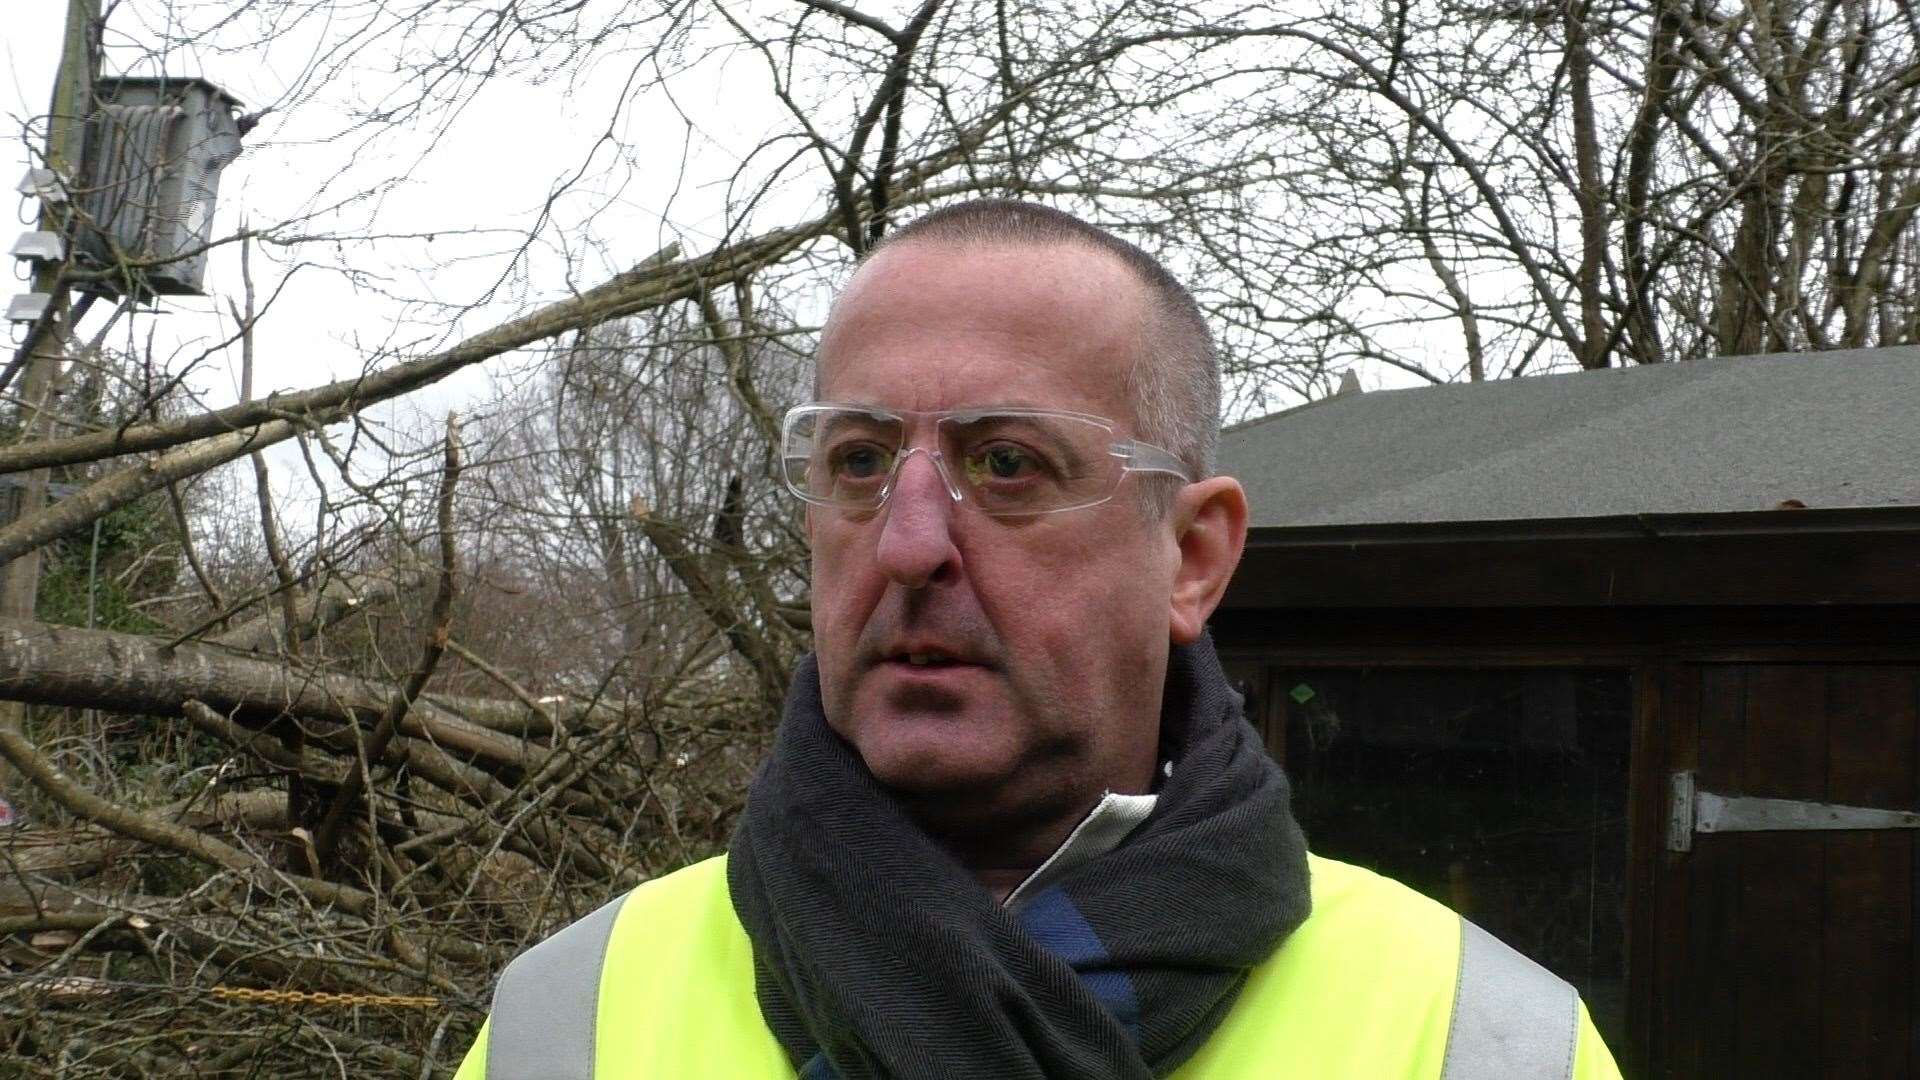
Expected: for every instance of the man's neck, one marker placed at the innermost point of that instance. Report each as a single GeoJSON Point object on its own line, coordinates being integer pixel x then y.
{"type": "Point", "coordinates": [1000, 883]}
{"type": "Point", "coordinates": [1001, 859]}
{"type": "Point", "coordinates": [1050, 856]}
{"type": "Point", "coordinates": [1003, 850]}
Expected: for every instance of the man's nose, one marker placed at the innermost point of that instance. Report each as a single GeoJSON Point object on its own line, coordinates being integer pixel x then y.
{"type": "Point", "coordinates": [916, 533]}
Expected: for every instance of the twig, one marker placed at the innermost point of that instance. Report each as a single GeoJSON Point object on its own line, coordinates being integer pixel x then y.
{"type": "Point", "coordinates": [263, 490]}
{"type": "Point", "coordinates": [546, 716]}
{"type": "Point", "coordinates": [327, 837]}
{"type": "Point", "coordinates": [188, 549]}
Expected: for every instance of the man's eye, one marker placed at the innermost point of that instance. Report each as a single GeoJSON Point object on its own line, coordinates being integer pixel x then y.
{"type": "Point", "coordinates": [1002, 462]}
{"type": "Point", "coordinates": [1006, 463]}
{"type": "Point", "coordinates": [862, 462]}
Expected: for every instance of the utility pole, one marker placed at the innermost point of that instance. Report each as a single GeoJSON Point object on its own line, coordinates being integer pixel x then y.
{"type": "Point", "coordinates": [27, 494]}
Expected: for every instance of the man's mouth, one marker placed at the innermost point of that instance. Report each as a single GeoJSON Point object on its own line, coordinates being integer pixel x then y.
{"type": "Point", "coordinates": [928, 659]}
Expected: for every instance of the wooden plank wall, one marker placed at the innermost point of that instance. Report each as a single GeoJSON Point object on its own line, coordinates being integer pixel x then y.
{"type": "Point", "coordinates": [1873, 714]}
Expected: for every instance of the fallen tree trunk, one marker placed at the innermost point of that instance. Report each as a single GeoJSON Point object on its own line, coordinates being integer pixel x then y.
{"type": "Point", "coordinates": [42, 664]}
{"type": "Point", "coordinates": [69, 852]}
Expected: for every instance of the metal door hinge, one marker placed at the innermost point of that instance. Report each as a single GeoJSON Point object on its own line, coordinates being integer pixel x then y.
{"type": "Point", "coordinates": [1693, 811]}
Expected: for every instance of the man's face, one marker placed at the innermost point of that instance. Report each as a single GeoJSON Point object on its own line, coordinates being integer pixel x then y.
{"type": "Point", "coordinates": [1056, 625]}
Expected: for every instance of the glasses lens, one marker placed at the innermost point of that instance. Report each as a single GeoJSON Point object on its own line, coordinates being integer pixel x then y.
{"type": "Point", "coordinates": [1004, 462]}
{"type": "Point", "coordinates": [841, 456]}
{"type": "Point", "coordinates": [1030, 462]}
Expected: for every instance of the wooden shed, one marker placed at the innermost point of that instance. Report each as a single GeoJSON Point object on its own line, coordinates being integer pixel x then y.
{"type": "Point", "coordinates": [1625, 665]}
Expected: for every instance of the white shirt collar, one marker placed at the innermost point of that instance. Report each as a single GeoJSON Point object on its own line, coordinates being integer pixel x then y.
{"type": "Point", "coordinates": [1110, 822]}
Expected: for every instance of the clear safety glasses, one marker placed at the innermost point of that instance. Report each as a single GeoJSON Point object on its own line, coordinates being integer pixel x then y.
{"type": "Point", "coordinates": [1003, 461]}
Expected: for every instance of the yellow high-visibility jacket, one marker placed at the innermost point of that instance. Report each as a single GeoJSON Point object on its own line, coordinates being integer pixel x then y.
{"type": "Point", "coordinates": [1378, 982]}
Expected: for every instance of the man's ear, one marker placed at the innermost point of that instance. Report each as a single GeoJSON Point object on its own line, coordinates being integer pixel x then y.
{"type": "Point", "coordinates": [1210, 527]}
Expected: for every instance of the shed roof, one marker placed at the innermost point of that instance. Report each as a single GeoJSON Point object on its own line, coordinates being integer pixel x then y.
{"type": "Point", "coordinates": [1831, 429]}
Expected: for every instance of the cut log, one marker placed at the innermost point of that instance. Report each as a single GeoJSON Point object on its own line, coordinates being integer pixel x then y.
{"type": "Point", "coordinates": [99, 669]}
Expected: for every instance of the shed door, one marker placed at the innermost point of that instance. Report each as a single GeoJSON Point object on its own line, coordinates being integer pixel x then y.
{"type": "Point", "coordinates": [1792, 953]}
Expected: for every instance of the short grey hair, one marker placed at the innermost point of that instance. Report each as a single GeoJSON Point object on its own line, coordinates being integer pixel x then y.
{"type": "Point", "coordinates": [1174, 383]}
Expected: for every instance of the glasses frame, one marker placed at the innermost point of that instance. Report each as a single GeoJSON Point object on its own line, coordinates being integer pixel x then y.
{"type": "Point", "coordinates": [1134, 456]}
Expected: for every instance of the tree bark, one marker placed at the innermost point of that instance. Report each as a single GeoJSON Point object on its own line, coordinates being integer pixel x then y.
{"type": "Point", "coordinates": [99, 669]}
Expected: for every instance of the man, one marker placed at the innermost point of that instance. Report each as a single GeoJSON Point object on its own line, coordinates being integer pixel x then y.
{"type": "Point", "coordinates": [1014, 824]}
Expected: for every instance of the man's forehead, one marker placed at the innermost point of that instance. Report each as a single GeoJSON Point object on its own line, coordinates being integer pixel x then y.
{"type": "Point", "coordinates": [1057, 301]}
{"type": "Point", "coordinates": [1067, 263]}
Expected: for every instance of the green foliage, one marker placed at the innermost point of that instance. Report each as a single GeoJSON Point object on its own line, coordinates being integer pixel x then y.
{"type": "Point", "coordinates": [171, 876]}
{"type": "Point", "coordinates": [71, 573]}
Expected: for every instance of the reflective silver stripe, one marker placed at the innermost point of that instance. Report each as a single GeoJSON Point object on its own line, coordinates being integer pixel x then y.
{"type": "Point", "coordinates": [1512, 1018]}
{"type": "Point", "coordinates": [544, 1010]}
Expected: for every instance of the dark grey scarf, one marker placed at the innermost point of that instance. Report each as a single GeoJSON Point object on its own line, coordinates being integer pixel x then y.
{"type": "Point", "coordinates": [877, 955]}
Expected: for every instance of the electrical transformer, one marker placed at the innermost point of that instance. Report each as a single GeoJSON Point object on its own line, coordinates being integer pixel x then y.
{"type": "Point", "coordinates": [144, 198]}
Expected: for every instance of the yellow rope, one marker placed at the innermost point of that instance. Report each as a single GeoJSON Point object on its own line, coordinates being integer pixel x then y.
{"type": "Point", "coordinates": [323, 998]}
{"type": "Point", "coordinates": [88, 986]}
